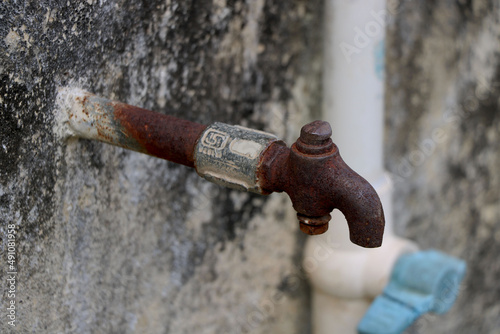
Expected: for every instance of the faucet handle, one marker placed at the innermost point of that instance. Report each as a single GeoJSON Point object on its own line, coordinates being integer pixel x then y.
{"type": "Point", "coordinates": [421, 282]}
{"type": "Point", "coordinates": [315, 138]}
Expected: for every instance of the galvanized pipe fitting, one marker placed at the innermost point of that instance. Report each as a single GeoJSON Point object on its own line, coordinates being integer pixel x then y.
{"type": "Point", "coordinates": [311, 172]}
{"type": "Point", "coordinates": [231, 155]}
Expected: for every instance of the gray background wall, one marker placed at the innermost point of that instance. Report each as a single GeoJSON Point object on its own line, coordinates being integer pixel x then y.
{"type": "Point", "coordinates": [116, 242]}
{"type": "Point", "coordinates": [443, 145]}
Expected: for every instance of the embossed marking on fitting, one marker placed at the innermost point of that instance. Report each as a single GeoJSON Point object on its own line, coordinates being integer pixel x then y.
{"type": "Point", "coordinates": [213, 142]}
{"type": "Point", "coordinates": [229, 155]}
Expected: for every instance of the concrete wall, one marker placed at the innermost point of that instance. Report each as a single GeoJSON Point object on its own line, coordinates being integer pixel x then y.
{"type": "Point", "coordinates": [112, 241]}
{"type": "Point", "coordinates": [443, 145]}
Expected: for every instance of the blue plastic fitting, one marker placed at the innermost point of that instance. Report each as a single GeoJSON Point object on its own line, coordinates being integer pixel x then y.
{"type": "Point", "coordinates": [421, 282]}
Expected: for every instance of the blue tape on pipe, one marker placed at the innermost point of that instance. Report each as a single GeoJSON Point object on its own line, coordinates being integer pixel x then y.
{"type": "Point", "coordinates": [421, 282]}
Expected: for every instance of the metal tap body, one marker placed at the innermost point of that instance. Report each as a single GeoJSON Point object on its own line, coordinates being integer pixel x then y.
{"type": "Point", "coordinates": [311, 171]}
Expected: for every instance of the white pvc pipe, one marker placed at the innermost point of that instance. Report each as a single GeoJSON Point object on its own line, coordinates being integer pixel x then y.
{"type": "Point", "coordinates": [348, 277]}
{"type": "Point", "coordinates": [353, 81]}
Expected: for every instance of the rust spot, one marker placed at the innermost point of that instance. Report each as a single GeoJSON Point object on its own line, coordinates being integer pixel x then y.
{"type": "Point", "coordinates": [162, 136]}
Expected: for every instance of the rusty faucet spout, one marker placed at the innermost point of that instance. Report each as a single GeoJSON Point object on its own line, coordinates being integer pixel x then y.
{"type": "Point", "coordinates": [361, 206]}
{"type": "Point", "coordinates": [317, 180]}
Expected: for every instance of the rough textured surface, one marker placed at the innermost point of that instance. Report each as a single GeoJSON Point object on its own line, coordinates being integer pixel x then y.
{"type": "Point", "coordinates": [114, 241]}
{"type": "Point", "coordinates": [443, 145]}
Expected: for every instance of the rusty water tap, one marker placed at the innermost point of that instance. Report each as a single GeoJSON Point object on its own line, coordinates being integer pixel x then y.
{"type": "Point", "coordinates": [311, 171]}
{"type": "Point", "coordinates": [315, 141]}
{"type": "Point", "coordinates": [317, 180]}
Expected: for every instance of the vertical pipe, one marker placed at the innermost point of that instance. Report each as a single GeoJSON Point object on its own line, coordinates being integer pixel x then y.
{"type": "Point", "coordinates": [353, 81]}
{"type": "Point", "coordinates": [347, 278]}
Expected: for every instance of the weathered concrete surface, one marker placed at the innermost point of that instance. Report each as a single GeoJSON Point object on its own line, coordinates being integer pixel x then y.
{"type": "Point", "coordinates": [111, 241]}
{"type": "Point", "coordinates": [443, 145]}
